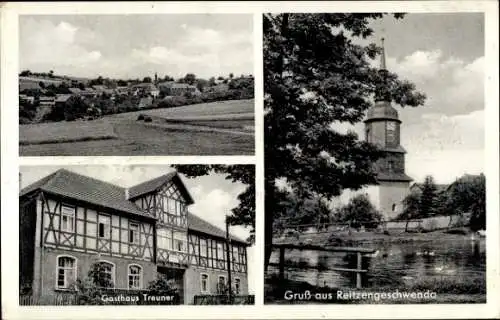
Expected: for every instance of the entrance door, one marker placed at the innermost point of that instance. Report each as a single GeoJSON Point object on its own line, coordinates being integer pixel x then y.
{"type": "Point", "coordinates": [177, 278]}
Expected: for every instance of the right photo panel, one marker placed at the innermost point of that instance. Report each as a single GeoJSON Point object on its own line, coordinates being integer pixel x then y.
{"type": "Point", "coordinates": [374, 158]}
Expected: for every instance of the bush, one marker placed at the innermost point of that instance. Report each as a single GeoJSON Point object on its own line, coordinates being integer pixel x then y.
{"type": "Point", "coordinates": [140, 117]}
{"type": "Point", "coordinates": [148, 119]}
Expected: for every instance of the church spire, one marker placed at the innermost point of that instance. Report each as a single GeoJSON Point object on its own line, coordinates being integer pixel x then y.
{"type": "Point", "coordinates": [383, 90]}
{"type": "Point", "coordinates": [382, 57]}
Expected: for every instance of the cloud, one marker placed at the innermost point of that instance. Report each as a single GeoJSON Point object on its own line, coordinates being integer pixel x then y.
{"type": "Point", "coordinates": [75, 47]}
{"type": "Point", "coordinates": [55, 46]}
{"type": "Point", "coordinates": [452, 85]}
{"type": "Point", "coordinates": [203, 51]}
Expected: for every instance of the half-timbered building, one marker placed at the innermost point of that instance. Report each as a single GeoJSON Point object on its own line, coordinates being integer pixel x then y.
{"type": "Point", "coordinates": [69, 222]}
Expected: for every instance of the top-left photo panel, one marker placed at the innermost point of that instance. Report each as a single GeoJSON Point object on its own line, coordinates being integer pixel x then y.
{"type": "Point", "coordinates": [136, 85]}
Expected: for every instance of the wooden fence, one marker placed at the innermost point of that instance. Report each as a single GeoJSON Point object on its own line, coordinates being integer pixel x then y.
{"type": "Point", "coordinates": [223, 299]}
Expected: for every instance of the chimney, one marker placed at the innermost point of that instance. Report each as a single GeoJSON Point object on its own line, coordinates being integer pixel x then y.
{"type": "Point", "coordinates": [126, 194]}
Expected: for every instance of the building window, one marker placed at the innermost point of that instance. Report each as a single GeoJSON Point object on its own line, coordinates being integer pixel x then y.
{"type": "Point", "coordinates": [390, 165]}
{"type": "Point", "coordinates": [204, 283]}
{"type": "Point", "coordinates": [107, 272]}
{"type": "Point", "coordinates": [393, 207]}
{"type": "Point", "coordinates": [134, 277]}
{"type": "Point", "coordinates": [180, 241]}
{"type": "Point", "coordinates": [104, 227]}
{"type": "Point", "coordinates": [68, 218]}
{"type": "Point", "coordinates": [220, 251]}
{"type": "Point", "coordinates": [221, 285]}
{"type": "Point", "coordinates": [133, 233]}
{"type": "Point", "coordinates": [164, 239]}
{"type": "Point", "coordinates": [237, 286]}
{"type": "Point", "coordinates": [203, 247]}
{"type": "Point", "coordinates": [66, 272]}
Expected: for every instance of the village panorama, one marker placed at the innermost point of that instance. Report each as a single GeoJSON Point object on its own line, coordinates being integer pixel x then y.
{"type": "Point", "coordinates": [154, 115]}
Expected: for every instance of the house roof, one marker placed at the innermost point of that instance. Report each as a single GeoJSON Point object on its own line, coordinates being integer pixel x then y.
{"type": "Point", "coordinates": [197, 224]}
{"type": "Point", "coordinates": [155, 184]}
{"type": "Point", "coordinates": [62, 97]}
{"type": "Point", "coordinates": [46, 98]}
{"type": "Point", "coordinates": [75, 90]}
{"type": "Point", "coordinates": [72, 185]}
{"type": "Point", "coordinates": [173, 84]}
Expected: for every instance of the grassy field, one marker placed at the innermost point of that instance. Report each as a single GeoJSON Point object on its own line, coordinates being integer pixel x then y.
{"type": "Point", "coordinates": [127, 136]}
{"type": "Point", "coordinates": [213, 109]}
{"type": "Point", "coordinates": [63, 132]}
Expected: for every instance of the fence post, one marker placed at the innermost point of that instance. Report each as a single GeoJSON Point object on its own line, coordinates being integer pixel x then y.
{"type": "Point", "coordinates": [358, 274]}
{"type": "Point", "coordinates": [282, 264]}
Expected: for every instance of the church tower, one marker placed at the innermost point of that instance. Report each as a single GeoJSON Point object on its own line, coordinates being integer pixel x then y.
{"type": "Point", "coordinates": [383, 128]}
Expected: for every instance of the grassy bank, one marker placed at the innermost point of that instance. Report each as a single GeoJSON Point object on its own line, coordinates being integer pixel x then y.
{"type": "Point", "coordinates": [344, 238]}
{"type": "Point", "coordinates": [446, 291]}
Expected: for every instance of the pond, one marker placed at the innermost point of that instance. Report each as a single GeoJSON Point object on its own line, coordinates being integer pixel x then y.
{"type": "Point", "coordinates": [394, 264]}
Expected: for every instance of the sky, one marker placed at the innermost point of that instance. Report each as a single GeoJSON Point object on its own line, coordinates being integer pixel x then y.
{"type": "Point", "coordinates": [135, 46]}
{"type": "Point", "coordinates": [443, 54]}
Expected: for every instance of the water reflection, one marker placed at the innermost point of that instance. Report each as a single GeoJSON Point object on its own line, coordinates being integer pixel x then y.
{"type": "Point", "coordinates": [394, 264]}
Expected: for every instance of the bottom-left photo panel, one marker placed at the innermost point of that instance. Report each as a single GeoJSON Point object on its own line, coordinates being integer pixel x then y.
{"type": "Point", "coordinates": [136, 235]}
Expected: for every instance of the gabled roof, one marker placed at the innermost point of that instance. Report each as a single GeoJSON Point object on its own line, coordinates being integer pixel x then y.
{"type": "Point", "coordinates": [75, 90]}
{"type": "Point", "coordinates": [155, 184]}
{"type": "Point", "coordinates": [72, 185]}
{"type": "Point", "coordinates": [199, 225]}
{"type": "Point", "coordinates": [173, 84]}
{"type": "Point", "coordinates": [62, 97]}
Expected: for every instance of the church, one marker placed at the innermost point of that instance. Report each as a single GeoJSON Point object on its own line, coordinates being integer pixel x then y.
{"type": "Point", "coordinates": [383, 128]}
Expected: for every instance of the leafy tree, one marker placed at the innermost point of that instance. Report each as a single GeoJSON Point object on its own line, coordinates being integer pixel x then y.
{"type": "Point", "coordinates": [81, 86]}
{"type": "Point", "coordinates": [25, 73]}
{"type": "Point", "coordinates": [51, 73]}
{"type": "Point", "coordinates": [360, 212]}
{"type": "Point", "coordinates": [201, 84]}
{"type": "Point", "coordinates": [315, 75]}
{"type": "Point", "coordinates": [168, 78]}
{"type": "Point", "coordinates": [41, 84]}
{"type": "Point", "coordinates": [211, 81]}
{"type": "Point", "coordinates": [121, 83]}
{"type": "Point", "coordinates": [301, 214]}
{"type": "Point", "coordinates": [244, 213]}
{"type": "Point", "coordinates": [231, 76]}
{"type": "Point", "coordinates": [220, 78]}
{"type": "Point", "coordinates": [468, 194]}
{"type": "Point", "coordinates": [147, 80]}
{"type": "Point", "coordinates": [190, 78]}
{"type": "Point", "coordinates": [411, 208]}
{"type": "Point", "coordinates": [428, 197]}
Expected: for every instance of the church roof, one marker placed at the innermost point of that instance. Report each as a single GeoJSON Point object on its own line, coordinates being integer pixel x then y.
{"type": "Point", "coordinates": [393, 176]}
{"type": "Point", "coordinates": [382, 110]}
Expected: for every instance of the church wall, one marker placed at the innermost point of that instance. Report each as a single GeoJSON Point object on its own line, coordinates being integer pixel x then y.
{"type": "Point", "coordinates": [392, 193]}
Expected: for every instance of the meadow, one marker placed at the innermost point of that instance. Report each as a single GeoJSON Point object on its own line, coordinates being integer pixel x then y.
{"type": "Point", "coordinates": [220, 128]}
